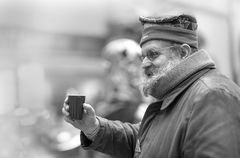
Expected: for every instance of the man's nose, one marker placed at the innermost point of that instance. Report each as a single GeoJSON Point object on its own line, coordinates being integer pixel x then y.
{"type": "Point", "coordinates": [146, 63]}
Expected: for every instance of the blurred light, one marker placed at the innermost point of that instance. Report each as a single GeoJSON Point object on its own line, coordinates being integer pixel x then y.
{"type": "Point", "coordinates": [70, 144]}
{"type": "Point", "coordinates": [63, 136]}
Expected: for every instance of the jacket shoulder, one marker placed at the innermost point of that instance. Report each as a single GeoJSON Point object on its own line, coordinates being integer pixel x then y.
{"type": "Point", "coordinates": [211, 84]}
{"type": "Point", "coordinates": [217, 81]}
{"type": "Point", "coordinates": [214, 82]}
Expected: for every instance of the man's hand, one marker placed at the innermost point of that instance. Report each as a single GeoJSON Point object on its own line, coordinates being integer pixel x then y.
{"type": "Point", "coordinates": [89, 124]}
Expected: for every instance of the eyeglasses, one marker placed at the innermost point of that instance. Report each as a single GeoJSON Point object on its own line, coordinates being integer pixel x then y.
{"type": "Point", "coordinates": [154, 53]}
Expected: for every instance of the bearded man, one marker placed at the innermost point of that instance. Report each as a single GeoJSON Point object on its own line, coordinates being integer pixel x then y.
{"type": "Point", "coordinates": [197, 112]}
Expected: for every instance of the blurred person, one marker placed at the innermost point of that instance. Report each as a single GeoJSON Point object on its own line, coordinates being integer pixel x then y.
{"type": "Point", "coordinates": [197, 112]}
{"type": "Point", "coordinates": [122, 59]}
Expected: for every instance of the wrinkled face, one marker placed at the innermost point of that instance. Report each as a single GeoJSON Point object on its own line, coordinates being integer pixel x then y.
{"type": "Point", "coordinates": [158, 58]}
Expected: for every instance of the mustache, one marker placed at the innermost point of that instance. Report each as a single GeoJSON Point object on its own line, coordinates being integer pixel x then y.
{"type": "Point", "coordinates": [150, 71]}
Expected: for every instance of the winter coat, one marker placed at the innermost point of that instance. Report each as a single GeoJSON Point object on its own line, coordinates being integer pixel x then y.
{"type": "Point", "coordinates": [200, 118]}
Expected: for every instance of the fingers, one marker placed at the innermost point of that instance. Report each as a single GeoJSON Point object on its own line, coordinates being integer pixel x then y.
{"type": "Point", "coordinates": [69, 120]}
{"type": "Point", "coordinates": [65, 110]}
{"type": "Point", "coordinates": [66, 100]}
{"type": "Point", "coordinates": [89, 109]}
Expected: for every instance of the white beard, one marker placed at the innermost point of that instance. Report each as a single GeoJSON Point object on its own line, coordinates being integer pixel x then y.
{"type": "Point", "coordinates": [149, 83]}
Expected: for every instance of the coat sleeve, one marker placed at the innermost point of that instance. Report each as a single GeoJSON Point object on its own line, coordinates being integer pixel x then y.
{"type": "Point", "coordinates": [214, 127]}
{"type": "Point", "coordinates": [114, 138]}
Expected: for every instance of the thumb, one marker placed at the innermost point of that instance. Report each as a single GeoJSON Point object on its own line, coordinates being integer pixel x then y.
{"type": "Point", "coordinates": [89, 109]}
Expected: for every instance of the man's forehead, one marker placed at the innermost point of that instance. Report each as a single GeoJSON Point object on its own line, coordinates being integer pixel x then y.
{"type": "Point", "coordinates": [156, 44]}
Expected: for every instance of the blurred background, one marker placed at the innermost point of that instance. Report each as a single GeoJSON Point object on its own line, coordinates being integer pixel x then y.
{"type": "Point", "coordinates": [51, 47]}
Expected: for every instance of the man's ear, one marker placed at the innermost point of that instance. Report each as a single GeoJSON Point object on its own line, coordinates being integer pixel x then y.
{"type": "Point", "coordinates": [186, 50]}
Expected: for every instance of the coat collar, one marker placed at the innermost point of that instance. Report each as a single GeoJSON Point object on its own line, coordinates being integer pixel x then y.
{"type": "Point", "coordinates": [181, 88]}
{"type": "Point", "coordinates": [185, 70]}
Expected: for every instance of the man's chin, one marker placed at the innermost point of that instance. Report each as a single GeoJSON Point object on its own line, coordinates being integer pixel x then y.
{"type": "Point", "coordinates": [148, 86]}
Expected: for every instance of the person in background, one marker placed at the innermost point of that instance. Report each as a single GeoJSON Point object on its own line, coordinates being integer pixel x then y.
{"type": "Point", "coordinates": [197, 109]}
{"type": "Point", "coordinates": [122, 96]}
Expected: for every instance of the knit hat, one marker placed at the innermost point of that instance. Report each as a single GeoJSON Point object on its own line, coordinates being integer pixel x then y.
{"type": "Point", "coordinates": [180, 29]}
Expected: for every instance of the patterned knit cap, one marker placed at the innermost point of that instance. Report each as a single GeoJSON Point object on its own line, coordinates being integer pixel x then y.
{"type": "Point", "coordinates": [180, 29]}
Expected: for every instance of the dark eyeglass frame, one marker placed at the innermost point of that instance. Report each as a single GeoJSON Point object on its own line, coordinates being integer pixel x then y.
{"type": "Point", "coordinates": [154, 53]}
